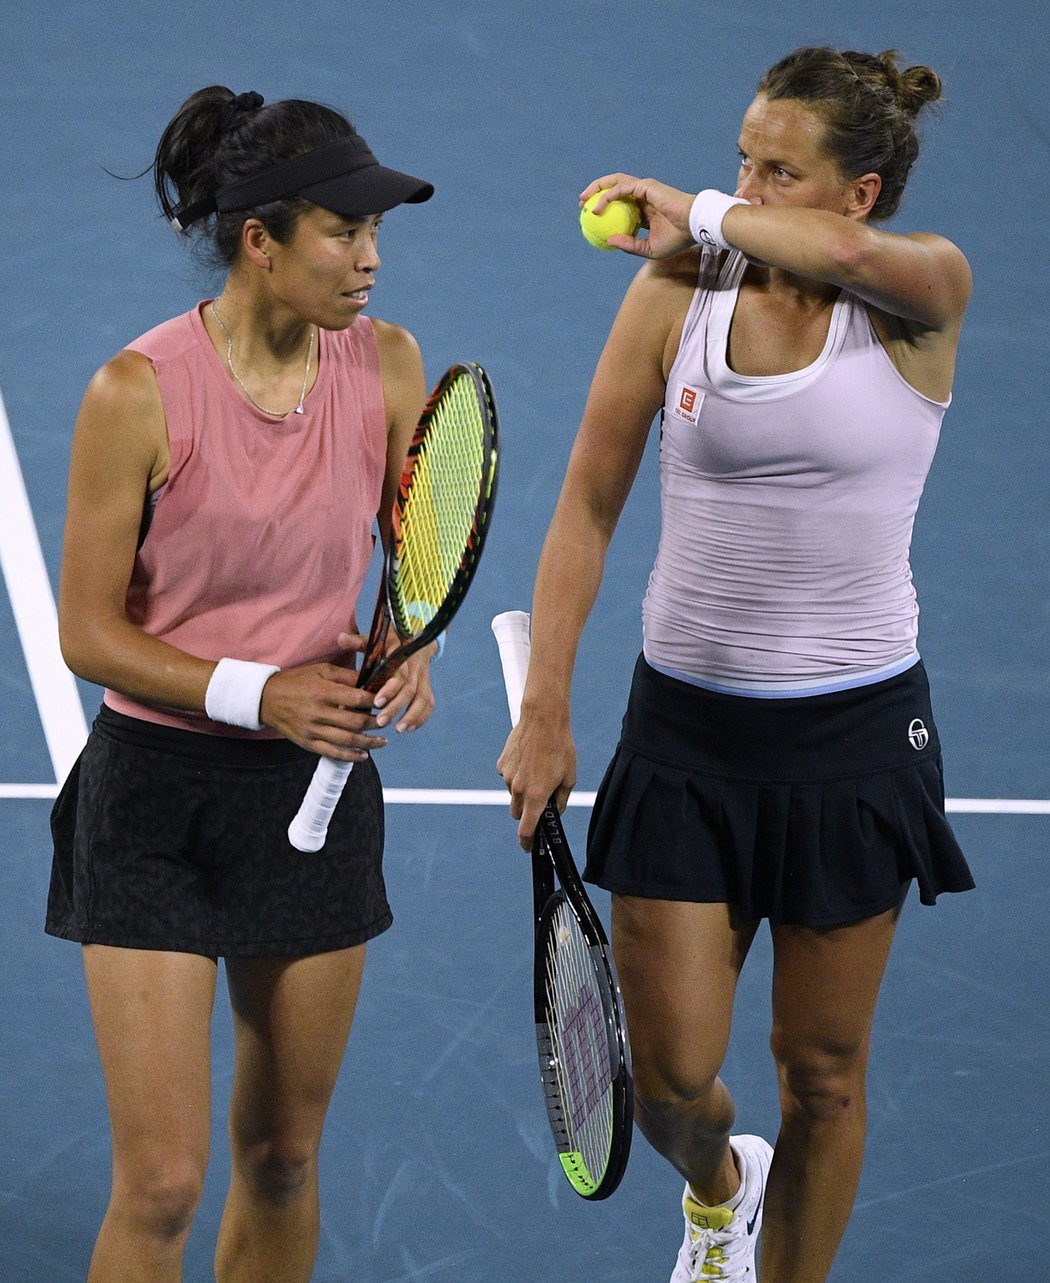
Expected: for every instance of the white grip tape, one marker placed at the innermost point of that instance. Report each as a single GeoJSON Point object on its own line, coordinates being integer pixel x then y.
{"type": "Point", "coordinates": [512, 636]}
{"type": "Point", "coordinates": [307, 832]}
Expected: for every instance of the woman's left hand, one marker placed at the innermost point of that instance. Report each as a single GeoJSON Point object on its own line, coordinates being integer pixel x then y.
{"type": "Point", "coordinates": [406, 695]}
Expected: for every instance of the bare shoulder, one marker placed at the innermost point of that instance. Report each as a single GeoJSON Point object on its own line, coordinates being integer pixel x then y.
{"type": "Point", "coordinates": [404, 386]}
{"type": "Point", "coordinates": [122, 414]}
{"type": "Point", "coordinates": [655, 306]}
{"type": "Point", "coordinates": [940, 245]}
{"type": "Point", "coordinates": [662, 288]}
{"type": "Point", "coordinates": [950, 260]}
{"type": "Point", "coordinates": [921, 278]}
{"type": "Point", "coordinates": [398, 349]}
{"type": "Point", "coordinates": [125, 381]}
{"type": "Point", "coordinates": [919, 320]}
{"type": "Point", "coordinates": [669, 276]}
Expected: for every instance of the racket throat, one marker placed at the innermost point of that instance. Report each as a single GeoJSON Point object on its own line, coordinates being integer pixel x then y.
{"type": "Point", "coordinates": [373, 673]}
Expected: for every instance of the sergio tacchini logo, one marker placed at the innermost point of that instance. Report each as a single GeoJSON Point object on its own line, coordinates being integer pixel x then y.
{"type": "Point", "coordinates": [918, 735]}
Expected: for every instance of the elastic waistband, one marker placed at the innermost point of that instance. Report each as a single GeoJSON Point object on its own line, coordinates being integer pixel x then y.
{"type": "Point", "coordinates": [817, 738]}
{"type": "Point", "coordinates": [800, 689]}
{"type": "Point", "coordinates": [194, 745]}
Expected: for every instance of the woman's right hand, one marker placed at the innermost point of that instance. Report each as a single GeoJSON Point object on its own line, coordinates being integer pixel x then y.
{"type": "Point", "coordinates": [320, 708]}
{"type": "Point", "coordinates": [538, 762]}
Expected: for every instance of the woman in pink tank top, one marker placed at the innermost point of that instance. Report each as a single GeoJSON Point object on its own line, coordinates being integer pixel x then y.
{"type": "Point", "coordinates": [227, 471]}
{"type": "Point", "coordinates": [778, 758]}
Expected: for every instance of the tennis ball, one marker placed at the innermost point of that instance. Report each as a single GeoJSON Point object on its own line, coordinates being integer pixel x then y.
{"type": "Point", "coordinates": [619, 218]}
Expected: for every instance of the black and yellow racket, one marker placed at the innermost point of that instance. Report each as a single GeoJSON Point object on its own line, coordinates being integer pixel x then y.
{"type": "Point", "coordinates": [581, 1028]}
{"type": "Point", "coordinates": [440, 519]}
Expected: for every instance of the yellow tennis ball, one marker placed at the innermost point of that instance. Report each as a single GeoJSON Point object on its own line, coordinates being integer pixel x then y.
{"type": "Point", "coordinates": [620, 217]}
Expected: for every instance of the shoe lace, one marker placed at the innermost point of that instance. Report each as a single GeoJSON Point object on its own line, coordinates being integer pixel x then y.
{"type": "Point", "coordinates": [712, 1254]}
{"type": "Point", "coordinates": [707, 1253]}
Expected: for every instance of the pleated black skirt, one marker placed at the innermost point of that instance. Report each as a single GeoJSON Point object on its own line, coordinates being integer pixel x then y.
{"type": "Point", "coordinates": [815, 811]}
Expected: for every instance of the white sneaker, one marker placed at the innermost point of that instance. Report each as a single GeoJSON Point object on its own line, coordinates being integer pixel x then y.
{"type": "Point", "coordinates": [720, 1243]}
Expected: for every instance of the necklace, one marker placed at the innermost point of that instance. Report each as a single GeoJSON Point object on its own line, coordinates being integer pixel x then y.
{"type": "Point", "coordinates": [276, 414]}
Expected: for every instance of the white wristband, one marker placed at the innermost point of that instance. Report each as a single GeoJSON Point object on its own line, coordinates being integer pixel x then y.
{"type": "Point", "coordinates": [235, 692]}
{"type": "Point", "coordinates": [705, 217]}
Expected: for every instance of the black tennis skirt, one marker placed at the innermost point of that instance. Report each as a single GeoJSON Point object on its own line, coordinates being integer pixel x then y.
{"type": "Point", "coordinates": [815, 811]}
{"type": "Point", "coordinates": [170, 839]}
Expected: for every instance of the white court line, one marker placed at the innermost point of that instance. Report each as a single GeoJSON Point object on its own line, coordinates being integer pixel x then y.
{"type": "Point", "coordinates": [997, 806]}
{"type": "Point", "coordinates": [497, 797]}
{"type": "Point", "coordinates": [466, 797]}
{"type": "Point", "coordinates": [33, 606]}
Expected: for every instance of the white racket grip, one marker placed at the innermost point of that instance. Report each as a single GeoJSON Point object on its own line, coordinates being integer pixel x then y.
{"type": "Point", "coordinates": [307, 832]}
{"type": "Point", "coordinates": [512, 637]}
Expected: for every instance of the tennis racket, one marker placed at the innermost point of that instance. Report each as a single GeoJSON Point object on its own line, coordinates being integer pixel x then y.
{"type": "Point", "coordinates": [441, 516]}
{"type": "Point", "coordinates": [581, 1029]}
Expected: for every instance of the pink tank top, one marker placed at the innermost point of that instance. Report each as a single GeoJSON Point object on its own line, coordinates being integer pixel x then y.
{"type": "Point", "coordinates": [261, 537]}
{"type": "Point", "coordinates": [787, 509]}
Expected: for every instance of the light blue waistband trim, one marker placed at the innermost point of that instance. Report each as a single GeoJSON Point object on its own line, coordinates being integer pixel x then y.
{"type": "Point", "coordinates": [791, 690]}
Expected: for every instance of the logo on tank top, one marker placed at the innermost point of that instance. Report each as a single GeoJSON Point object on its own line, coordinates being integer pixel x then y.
{"type": "Point", "coordinates": [918, 735]}
{"type": "Point", "coordinates": [688, 402]}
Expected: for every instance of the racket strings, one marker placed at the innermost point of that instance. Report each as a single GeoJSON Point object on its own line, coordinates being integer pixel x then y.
{"type": "Point", "coordinates": [439, 501]}
{"type": "Point", "coordinates": [580, 1041]}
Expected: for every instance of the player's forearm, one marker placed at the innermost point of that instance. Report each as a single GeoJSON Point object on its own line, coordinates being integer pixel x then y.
{"type": "Point", "coordinates": [567, 583]}
{"type": "Point", "coordinates": [808, 242]}
{"type": "Point", "coordinates": [122, 657]}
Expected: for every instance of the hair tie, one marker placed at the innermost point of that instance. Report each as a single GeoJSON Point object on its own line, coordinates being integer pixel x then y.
{"type": "Point", "coordinates": [242, 104]}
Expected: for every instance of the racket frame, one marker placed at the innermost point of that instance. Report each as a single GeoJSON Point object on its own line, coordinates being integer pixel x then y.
{"type": "Point", "coordinates": [556, 882]}
{"type": "Point", "coordinates": [309, 827]}
{"type": "Point", "coordinates": [377, 664]}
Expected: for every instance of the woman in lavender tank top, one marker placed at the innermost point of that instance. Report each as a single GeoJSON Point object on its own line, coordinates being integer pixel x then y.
{"type": "Point", "coordinates": [778, 758]}
{"type": "Point", "coordinates": [263, 434]}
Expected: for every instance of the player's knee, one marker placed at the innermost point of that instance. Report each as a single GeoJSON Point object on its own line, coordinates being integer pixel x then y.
{"type": "Point", "coordinates": [161, 1198]}
{"type": "Point", "coordinates": [823, 1083]}
{"type": "Point", "coordinates": [664, 1099]}
{"type": "Point", "coordinates": [280, 1171]}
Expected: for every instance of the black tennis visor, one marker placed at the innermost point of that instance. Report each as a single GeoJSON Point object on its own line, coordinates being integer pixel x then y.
{"type": "Point", "coordinates": [342, 176]}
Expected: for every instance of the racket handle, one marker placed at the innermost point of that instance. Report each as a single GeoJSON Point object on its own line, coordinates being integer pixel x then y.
{"type": "Point", "coordinates": [307, 832]}
{"type": "Point", "coordinates": [512, 637]}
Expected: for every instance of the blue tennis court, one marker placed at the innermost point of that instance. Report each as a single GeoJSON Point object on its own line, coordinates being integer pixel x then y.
{"type": "Point", "coordinates": [437, 1162]}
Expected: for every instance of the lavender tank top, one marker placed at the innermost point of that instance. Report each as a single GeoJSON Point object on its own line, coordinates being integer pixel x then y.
{"type": "Point", "coordinates": [261, 537]}
{"type": "Point", "coordinates": [787, 509]}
